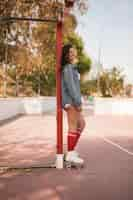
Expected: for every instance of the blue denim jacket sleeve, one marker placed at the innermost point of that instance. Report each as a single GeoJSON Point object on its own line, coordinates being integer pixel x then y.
{"type": "Point", "coordinates": [72, 85]}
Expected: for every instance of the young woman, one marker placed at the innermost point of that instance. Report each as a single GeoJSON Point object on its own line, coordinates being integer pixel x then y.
{"type": "Point", "coordinates": [71, 102]}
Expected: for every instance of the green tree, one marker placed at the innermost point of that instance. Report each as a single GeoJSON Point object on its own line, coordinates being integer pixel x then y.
{"type": "Point", "coordinates": [31, 46]}
{"type": "Point", "coordinates": [111, 82]}
{"type": "Point", "coordinates": [84, 62]}
{"type": "Point", "coordinates": [89, 87]}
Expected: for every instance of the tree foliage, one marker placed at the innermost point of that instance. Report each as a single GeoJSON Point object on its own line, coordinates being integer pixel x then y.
{"type": "Point", "coordinates": [112, 82]}
{"type": "Point", "coordinates": [29, 48]}
{"type": "Point", "coordinates": [84, 62]}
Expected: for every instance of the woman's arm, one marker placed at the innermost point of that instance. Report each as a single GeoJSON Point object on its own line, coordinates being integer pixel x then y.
{"type": "Point", "coordinates": [74, 92]}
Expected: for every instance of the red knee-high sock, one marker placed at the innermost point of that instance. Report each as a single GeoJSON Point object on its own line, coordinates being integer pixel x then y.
{"type": "Point", "coordinates": [72, 139]}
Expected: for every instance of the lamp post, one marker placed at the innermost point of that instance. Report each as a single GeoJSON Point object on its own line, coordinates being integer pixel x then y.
{"type": "Point", "coordinates": [99, 70]}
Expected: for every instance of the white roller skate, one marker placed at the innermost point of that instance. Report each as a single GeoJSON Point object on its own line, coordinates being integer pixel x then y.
{"type": "Point", "coordinates": [72, 159]}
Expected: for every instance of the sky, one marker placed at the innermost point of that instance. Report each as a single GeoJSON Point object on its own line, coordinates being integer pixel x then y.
{"type": "Point", "coordinates": [108, 25]}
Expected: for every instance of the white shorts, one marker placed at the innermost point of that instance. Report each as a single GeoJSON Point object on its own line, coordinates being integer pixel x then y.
{"type": "Point", "coordinates": [67, 106]}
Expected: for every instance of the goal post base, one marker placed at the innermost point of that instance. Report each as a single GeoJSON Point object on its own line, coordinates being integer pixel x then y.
{"type": "Point", "coordinates": [59, 161]}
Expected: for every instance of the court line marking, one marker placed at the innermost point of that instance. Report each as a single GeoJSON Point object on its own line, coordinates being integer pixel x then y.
{"type": "Point", "coordinates": [117, 145]}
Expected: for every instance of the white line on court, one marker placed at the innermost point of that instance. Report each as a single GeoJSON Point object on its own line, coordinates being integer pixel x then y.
{"type": "Point", "coordinates": [117, 145]}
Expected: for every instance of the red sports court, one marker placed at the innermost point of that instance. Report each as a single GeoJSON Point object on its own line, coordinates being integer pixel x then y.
{"type": "Point", "coordinates": [106, 146]}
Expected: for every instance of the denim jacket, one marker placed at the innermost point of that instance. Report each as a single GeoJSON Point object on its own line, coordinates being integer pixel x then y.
{"type": "Point", "coordinates": [70, 86]}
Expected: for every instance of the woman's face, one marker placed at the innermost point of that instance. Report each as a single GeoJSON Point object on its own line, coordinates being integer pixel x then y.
{"type": "Point", "coordinates": [72, 55]}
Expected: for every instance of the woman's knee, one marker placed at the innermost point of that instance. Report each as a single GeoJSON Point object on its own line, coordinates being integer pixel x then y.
{"type": "Point", "coordinates": [72, 118]}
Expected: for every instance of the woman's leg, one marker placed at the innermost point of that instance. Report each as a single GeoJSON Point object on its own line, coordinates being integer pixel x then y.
{"type": "Point", "coordinates": [73, 136]}
{"type": "Point", "coordinates": [72, 119]}
{"type": "Point", "coordinates": [80, 125]}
